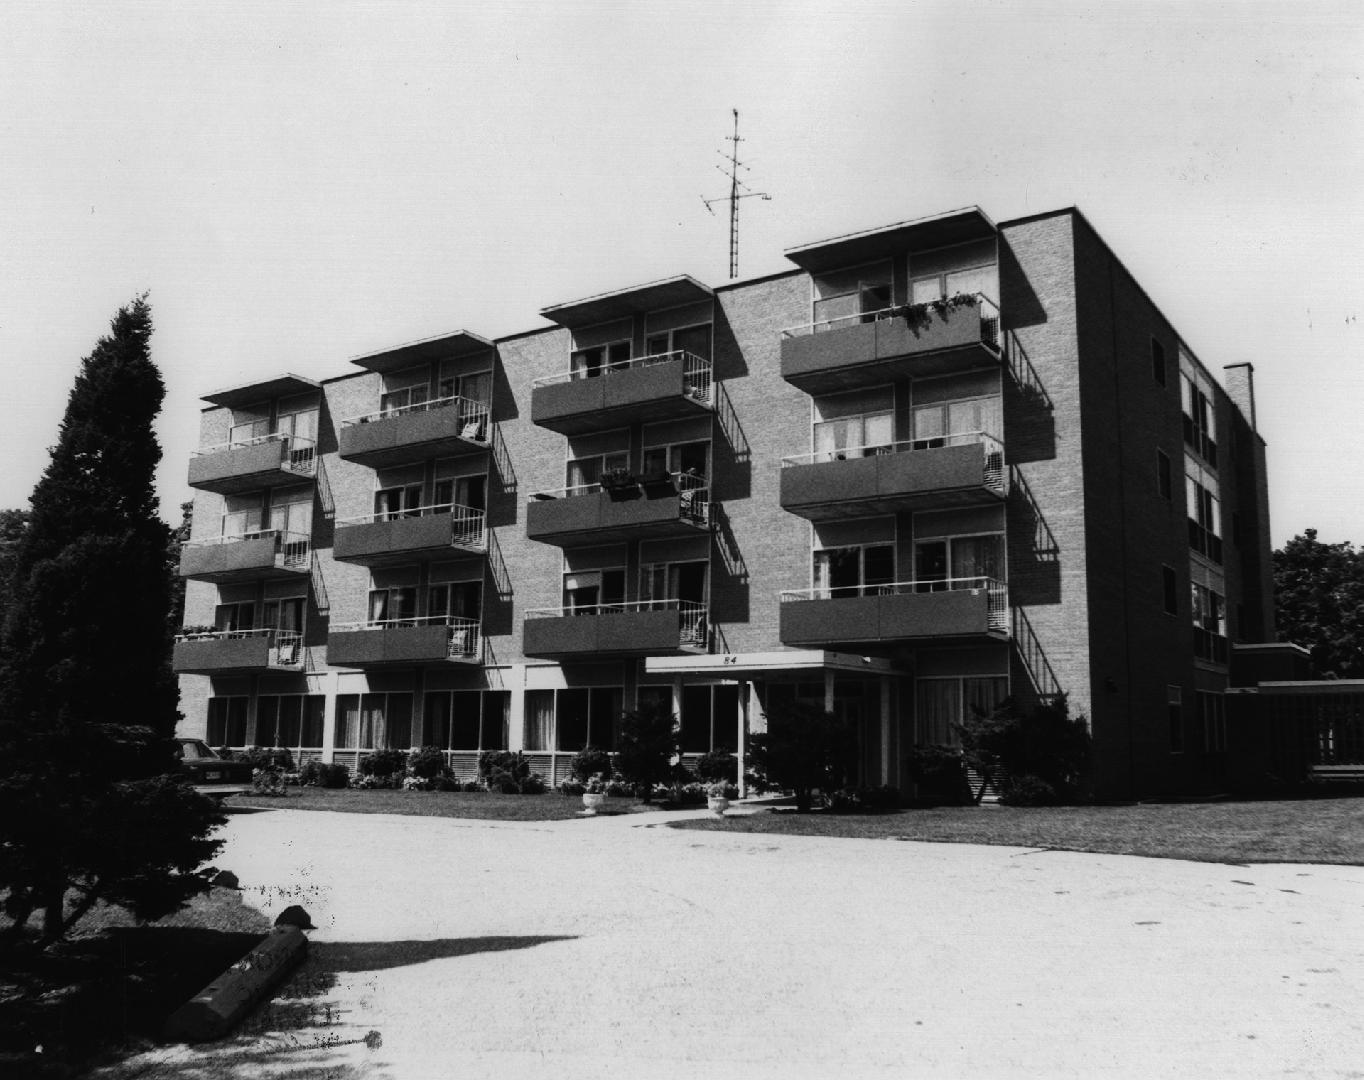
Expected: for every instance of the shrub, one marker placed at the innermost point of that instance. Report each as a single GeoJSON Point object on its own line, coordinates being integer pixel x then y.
{"type": "Point", "coordinates": [619, 788]}
{"type": "Point", "coordinates": [417, 783]}
{"type": "Point", "coordinates": [1028, 791]}
{"type": "Point", "coordinates": [321, 774]}
{"type": "Point", "coordinates": [384, 763]}
{"type": "Point", "coordinates": [720, 764]}
{"type": "Point", "coordinates": [268, 757]}
{"type": "Point", "coordinates": [939, 775]}
{"type": "Point", "coordinates": [590, 761]}
{"type": "Point", "coordinates": [805, 748]}
{"type": "Point", "coordinates": [534, 784]}
{"type": "Point", "coordinates": [864, 800]}
{"type": "Point", "coordinates": [647, 743]}
{"type": "Point", "coordinates": [446, 782]}
{"type": "Point", "coordinates": [472, 785]}
{"type": "Point", "coordinates": [1043, 743]}
{"type": "Point", "coordinates": [268, 781]}
{"type": "Point", "coordinates": [503, 770]}
{"type": "Point", "coordinates": [371, 781]}
{"type": "Point", "coordinates": [573, 786]}
{"type": "Point", "coordinates": [427, 763]}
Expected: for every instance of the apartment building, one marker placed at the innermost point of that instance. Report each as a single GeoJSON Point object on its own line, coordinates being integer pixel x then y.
{"type": "Point", "coordinates": [931, 465]}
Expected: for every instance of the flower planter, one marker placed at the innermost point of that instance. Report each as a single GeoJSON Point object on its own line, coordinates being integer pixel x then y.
{"type": "Point", "coordinates": [717, 805]}
{"type": "Point", "coordinates": [592, 802]}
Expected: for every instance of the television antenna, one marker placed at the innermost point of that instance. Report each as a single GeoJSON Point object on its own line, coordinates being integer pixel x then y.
{"type": "Point", "coordinates": [737, 190]}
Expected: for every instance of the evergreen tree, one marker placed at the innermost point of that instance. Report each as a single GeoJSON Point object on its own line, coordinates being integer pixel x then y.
{"type": "Point", "coordinates": [803, 749]}
{"type": "Point", "coordinates": [1319, 602]}
{"type": "Point", "coordinates": [87, 697]}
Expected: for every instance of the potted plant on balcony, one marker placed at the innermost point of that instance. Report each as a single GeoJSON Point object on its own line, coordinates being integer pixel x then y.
{"type": "Point", "coordinates": [594, 794]}
{"type": "Point", "coordinates": [717, 798]}
{"type": "Point", "coordinates": [619, 484]}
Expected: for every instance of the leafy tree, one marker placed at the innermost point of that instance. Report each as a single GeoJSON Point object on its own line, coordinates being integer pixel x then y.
{"type": "Point", "coordinates": [1319, 593]}
{"type": "Point", "coordinates": [1040, 751]}
{"type": "Point", "coordinates": [646, 747]}
{"type": "Point", "coordinates": [87, 697]}
{"type": "Point", "coordinates": [805, 748]}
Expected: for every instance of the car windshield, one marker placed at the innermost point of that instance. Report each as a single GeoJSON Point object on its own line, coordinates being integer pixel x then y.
{"type": "Point", "coordinates": [192, 749]}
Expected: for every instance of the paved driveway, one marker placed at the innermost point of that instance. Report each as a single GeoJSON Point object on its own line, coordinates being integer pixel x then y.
{"type": "Point", "coordinates": [613, 947]}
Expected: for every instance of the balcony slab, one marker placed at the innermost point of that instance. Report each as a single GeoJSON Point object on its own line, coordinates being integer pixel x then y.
{"type": "Point", "coordinates": [632, 395]}
{"type": "Point", "coordinates": [895, 617]}
{"type": "Point", "coordinates": [395, 440]}
{"type": "Point", "coordinates": [617, 633]}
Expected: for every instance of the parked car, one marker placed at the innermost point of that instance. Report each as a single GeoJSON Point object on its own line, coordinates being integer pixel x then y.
{"type": "Point", "coordinates": [212, 775]}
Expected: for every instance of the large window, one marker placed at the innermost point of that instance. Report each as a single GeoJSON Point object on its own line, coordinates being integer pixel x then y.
{"type": "Point", "coordinates": [395, 606]}
{"type": "Point", "coordinates": [958, 562]}
{"type": "Point", "coordinates": [692, 339]}
{"type": "Point", "coordinates": [854, 436]}
{"type": "Point", "coordinates": [690, 459]}
{"type": "Point", "coordinates": [940, 704]}
{"type": "Point", "coordinates": [950, 423]}
{"type": "Point", "coordinates": [1200, 432]}
{"type": "Point", "coordinates": [373, 721]}
{"type": "Point", "coordinates": [466, 719]}
{"type": "Point", "coordinates": [292, 721]}
{"type": "Point", "coordinates": [853, 571]}
{"type": "Point", "coordinates": [1210, 624]}
{"type": "Point", "coordinates": [234, 618]}
{"type": "Point", "coordinates": [587, 592]}
{"type": "Point", "coordinates": [568, 720]}
{"type": "Point", "coordinates": [844, 294]}
{"type": "Point", "coordinates": [470, 491]}
{"type": "Point", "coordinates": [589, 363]}
{"type": "Point", "coordinates": [227, 721]}
{"type": "Point", "coordinates": [976, 279]}
{"type": "Point", "coordinates": [455, 599]}
{"type": "Point", "coordinates": [1205, 512]}
{"type": "Point", "coordinates": [709, 718]}
{"type": "Point", "coordinates": [587, 471]}
{"type": "Point", "coordinates": [401, 501]}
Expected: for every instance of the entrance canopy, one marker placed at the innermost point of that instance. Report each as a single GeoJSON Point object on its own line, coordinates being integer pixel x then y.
{"type": "Point", "coordinates": [757, 665]}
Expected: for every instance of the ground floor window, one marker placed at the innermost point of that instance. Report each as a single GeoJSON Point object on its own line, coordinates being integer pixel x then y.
{"type": "Point", "coordinates": [466, 719]}
{"type": "Point", "coordinates": [373, 721]}
{"type": "Point", "coordinates": [942, 703]}
{"type": "Point", "coordinates": [292, 721]}
{"type": "Point", "coordinates": [1214, 719]}
{"type": "Point", "coordinates": [568, 720]}
{"type": "Point", "coordinates": [709, 718]}
{"type": "Point", "coordinates": [227, 721]}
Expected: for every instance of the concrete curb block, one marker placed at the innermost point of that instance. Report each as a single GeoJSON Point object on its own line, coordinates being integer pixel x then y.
{"type": "Point", "coordinates": [220, 1005]}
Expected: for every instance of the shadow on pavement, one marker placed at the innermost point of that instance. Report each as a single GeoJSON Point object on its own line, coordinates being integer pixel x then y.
{"type": "Point", "coordinates": [337, 956]}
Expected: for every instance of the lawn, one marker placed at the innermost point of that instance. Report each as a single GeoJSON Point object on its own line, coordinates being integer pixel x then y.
{"type": "Point", "coordinates": [108, 989]}
{"type": "Point", "coordinates": [480, 805]}
{"type": "Point", "coordinates": [1319, 830]}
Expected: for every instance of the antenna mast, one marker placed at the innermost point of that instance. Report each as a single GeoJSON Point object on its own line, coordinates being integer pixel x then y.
{"type": "Point", "coordinates": [735, 194]}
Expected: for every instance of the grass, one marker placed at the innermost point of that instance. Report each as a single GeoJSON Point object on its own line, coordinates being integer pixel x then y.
{"type": "Point", "coordinates": [1317, 830]}
{"type": "Point", "coordinates": [108, 989]}
{"type": "Point", "coordinates": [479, 805]}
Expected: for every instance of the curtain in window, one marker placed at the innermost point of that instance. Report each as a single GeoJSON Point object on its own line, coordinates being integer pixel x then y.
{"type": "Point", "coordinates": [436, 721]}
{"type": "Point", "coordinates": [694, 339]}
{"type": "Point", "coordinates": [980, 279]}
{"type": "Point", "coordinates": [314, 709]}
{"type": "Point", "coordinates": [975, 557]}
{"type": "Point", "coordinates": [983, 694]}
{"type": "Point", "coordinates": [372, 722]}
{"type": "Point", "coordinates": [539, 731]}
{"type": "Point", "coordinates": [877, 430]}
{"type": "Point", "coordinates": [496, 710]}
{"type": "Point", "coordinates": [969, 417]}
{"type": "Point", "coordinates": [937, 706]}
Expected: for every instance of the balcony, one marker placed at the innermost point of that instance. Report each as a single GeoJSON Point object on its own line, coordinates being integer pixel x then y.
{"type": "Point", "coordinates": [957, 470]}
{"type": "Point", "coordinates": [254, 463]}
{"type": "Point", "coordinates": [237, 652]}
{"type": "Point", "coordinates": [640, 628]}
{"type": "Point", "coordinates": [263, 555]}
{"type": "Point", "coordinates": [666, 386]}
{"type": "Point", "coordinates": [422, 532]}
{"type": "Point", "coordinates": [444, 427]}
{"type": "Point", "coordinates": [954, 608]}
{"type": "Point", "coordinates": [633, 507]}
{"type": "Point", "coordinates": [913, 341]}
{"type": "Point", "coordinates": [435, 639]}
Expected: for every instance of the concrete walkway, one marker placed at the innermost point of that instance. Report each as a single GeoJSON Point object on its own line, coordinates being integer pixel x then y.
{"type": "Point", "coordinates": [619, 947]}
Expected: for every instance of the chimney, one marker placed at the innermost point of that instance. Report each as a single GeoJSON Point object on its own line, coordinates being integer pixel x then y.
{"type": "Point", "coordinates": [1240, 383]}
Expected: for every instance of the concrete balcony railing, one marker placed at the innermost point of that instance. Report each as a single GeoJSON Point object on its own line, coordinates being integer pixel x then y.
{"type": "Point", "coordinates": [421, 532]}
{"type": "Point", "coordinates": [915, 340]}
{"type": "Point", "coordinates": [433, 639]}
{"type": "Point", "coordinates": [250, 464]}
{"type": "Point", "coordinates": [925, 474]}
{"type": "Point", "coordinates": [639, 628]}
{"type": "Point", "coordinates": [241, 652]}
{"type": "Point", "coordinates": [627, 508]}
{"type": "Point", "coordinates": [950, 608]}
{"type": "Point", "coordinates": [444, 427]}
{"type": "Point", "coordinates": [664, 386]}
{"type": "Point", "coordinates": [262, 554]}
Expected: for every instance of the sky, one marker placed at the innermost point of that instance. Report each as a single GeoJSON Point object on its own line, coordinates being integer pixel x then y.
{"type": "Point", "coordinates": [299, 183]}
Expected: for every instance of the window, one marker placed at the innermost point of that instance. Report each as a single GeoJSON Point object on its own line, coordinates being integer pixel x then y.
{"type": "Point", "coordinates": [1213, 717]}
{"type": "Point", "coordinates": [402, 398]}
{"type": "Point", "coordinates": [466, 719]}
{"type": "Point", "coordinates": [1205, 513]}
{"type": "Point", "coordinates": [958, 562]}
{"type": "Point", "coordinates": [1164, 482]}
{"type": "Point", "coordinates": [1174, 697]}
{"type": "Point", "coordinates": [234, 618]}
{"type": "Point", "coordinates": [286, 614]}
{"type": "Point", "coordinates": [226, 721]}
{"type": "Point", "coordinates": [681, 459]}
{"type": "Point", "coordinates": [395, 502]}
{"type": "Point", "coordinates": [978, 279]}
{"type": "Point", "coordinates": [846, 294]}
{"type": "Point", "coordinates": [590, 363]}
{"type": "Point", "coordinates": [291, 721]}
{"type": "Point", "coordinates": [950, 423]}
{"type": "Point", "coordinates": [1210, 624]}
{"type": "Point", "coordinates": [243, 516]}
{"type": "Point", "coordinates": [301, 431]}
{"type": "Point", "coordinates": [568, 720]}
{"type": "Point", "coordinates": [587, 471]}
{"type": "Point", "coordinates": [854, 436]}
{"type": "Point", "coordinates": [1199, 431]}
{"type": "Point", "coordinates": [941, 704]}
{"type": "Point", "coordinates": [709, 718]}
{"type": "Point", "coordinates": [455, 600]}
{"type": "Point", "coordinates": [373, 721]}
{"type": "Point", "coordinates": [1158, 361]}
{"type": "Point", "coordinates": [691, 339]}
{"type": "Point", "coordinates": [393, 607]}
{"type": "Point", "coordinates": [854, 571]}
{"type": "Point", "coordinates": [1170, 590]}
{"type": "Point", "coordinates": [587, 592]}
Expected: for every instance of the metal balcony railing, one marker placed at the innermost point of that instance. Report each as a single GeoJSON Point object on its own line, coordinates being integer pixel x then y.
{"type": "Point", "coordinates": [464, 633]}
{"type": "Point", "coordinates": [285, 646]}
{"type": "Point", "coordinates": [997, 606]}
{"type": "Point", "coordinates": [472, 416]}
{"type": "Point", "coordinates": [988, 309]}
{"type": "Point", "coordinates": [996, 476]}
{"type": "Point", "coordinates": [293, 550]}
{"type": "Point", "coordinates": [693, 628]}
{"type": "Point", "coordinates": [467, 524]}
{"type": "Point", "coordinates": [300, 452]}
{"type": "Point", "coordinates": [697, 373]}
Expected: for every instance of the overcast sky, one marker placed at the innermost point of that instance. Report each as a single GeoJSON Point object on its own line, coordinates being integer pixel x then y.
{"type": "Point", "coordinates": [298, 183]}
